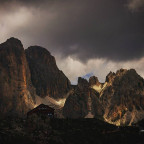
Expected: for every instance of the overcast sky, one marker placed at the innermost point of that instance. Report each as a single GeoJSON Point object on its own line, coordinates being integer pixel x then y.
{"type": "Point", "coordinates": [87, 37]}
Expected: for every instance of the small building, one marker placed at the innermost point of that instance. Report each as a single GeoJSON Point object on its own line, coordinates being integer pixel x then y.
{"type": "Point", "coordinates": [42, 110]}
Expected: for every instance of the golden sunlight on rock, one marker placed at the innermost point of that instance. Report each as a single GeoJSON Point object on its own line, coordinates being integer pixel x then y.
{"type": "Point", "coordinates": [24, 76]}
{"type": "Point", "coordinates": [61, 102]}
{"type": "Point", "coordinates": [50, 101]}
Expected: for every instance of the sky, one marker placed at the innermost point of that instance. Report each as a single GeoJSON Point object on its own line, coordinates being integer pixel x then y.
{"type": "Point", "coordinates": [87, 37]}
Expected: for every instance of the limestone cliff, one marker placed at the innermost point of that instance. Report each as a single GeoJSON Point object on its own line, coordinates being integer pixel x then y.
{"type": "Point", "coordinates": [17, 95]}
{"type": "Point", "coordinates": [120, 100]}
{"type": "Point", "coordinates": [45, 75]}
{"type": "Point", "coordinates": [83, 102]}
{"type": "Point", "coordinates": [123, 98]}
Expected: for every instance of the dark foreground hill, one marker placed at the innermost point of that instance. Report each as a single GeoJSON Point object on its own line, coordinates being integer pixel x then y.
{"type": "Point", "coordinates": [66, 131]}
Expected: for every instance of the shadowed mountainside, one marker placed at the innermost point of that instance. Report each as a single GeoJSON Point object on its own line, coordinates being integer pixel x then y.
{"type": "Point", "coordinates": [46, 77]}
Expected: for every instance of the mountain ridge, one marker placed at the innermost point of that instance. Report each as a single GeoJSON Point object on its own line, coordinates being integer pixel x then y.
{"type": "Point", "coordinates": [31, 75]}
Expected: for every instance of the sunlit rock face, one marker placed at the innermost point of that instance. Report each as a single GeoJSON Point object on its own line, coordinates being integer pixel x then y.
{"type": "Point", "coordinates": [120, 100]}
{"type": "Point", "coordinates": [123, 98]}
{"type": "Point", "coordinates": [94, 81]}
{"type": "Point", "coordinates": [17, 95]}
{"type": "Point", "coordinates": [76, 104]}
{"type": "Point", "coordinates": [83, 102]}
{"type": "Point", "coordinates": [45, 75]}
{"type": "Point", "coordinates": [96, 85]}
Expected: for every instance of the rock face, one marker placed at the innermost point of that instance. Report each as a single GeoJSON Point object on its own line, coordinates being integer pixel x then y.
{"type": "Point", "coordinates": [76, 104]}
{"type": "Point", "coordinates": [94, 81]}
{"type": "Point", "coordinates": [95, 84]}
{"type": "Point", "coordinates": [83, 102]}
{"type": "Point", "coordinates": [25, 73]}
{"type": "Point", "coordinates": [45, 75]}
{"type": "Point", "coordinates": [17, 95]}
{"type": "Point", "coordinates": [120, 100]}
{"type": "Point", "coordinates": [123, 98]}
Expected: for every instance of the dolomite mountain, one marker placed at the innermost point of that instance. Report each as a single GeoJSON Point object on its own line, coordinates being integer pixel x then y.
{"type": "Point", "coordinates": [17, 94]}
{"type": "Point", "coordinates": [123, 97]}
{"type": "Point", "coordinates": [83, 101]}
{"type": "Point", "coordinates": [26, 75]}
{"type": "Point", "coordinates": [120, 100]}
{"type": "Point", "coordinates": [31, 75]}
{"type": "Point", "coordinates": [45, 75]}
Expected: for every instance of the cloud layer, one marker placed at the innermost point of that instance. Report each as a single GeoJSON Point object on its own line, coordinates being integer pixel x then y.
{"type": "Point", "coordinates": [84, 29]}
{"type": "Point", "coordinates": [95, 36]}
{"type": "Point", "coordinates": [136, 5]}
{"type": "Point", "coordinates": [98, 67]}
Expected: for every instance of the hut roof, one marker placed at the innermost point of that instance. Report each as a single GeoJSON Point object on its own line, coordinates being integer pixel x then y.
{"type": "Point", "coordinates": [40, 108]}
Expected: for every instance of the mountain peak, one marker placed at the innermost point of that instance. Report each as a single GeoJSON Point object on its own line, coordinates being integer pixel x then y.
{"type": "Point", "coordinates": [121, 71]}
{"type": "Point", "coordinates": [14, 41]}
{"type": "Point", "coordinates": [110, 77]}
{"type": "Point", "coordinates": [82, 82]}
{"type": "Point", "coordinates": [38, 49]}
{"type": "Point", "coordinates": [46, 77]}
{"type": "Point", "coordinates": [12, 44]}
{"type": "Point", "coordinates": [94, 81]}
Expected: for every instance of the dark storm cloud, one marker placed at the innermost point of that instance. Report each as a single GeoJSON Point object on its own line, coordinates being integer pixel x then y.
{"type": "Point", "coordinates": [86, 29]}
{"type": "Point", "coordinates": [136, 5]}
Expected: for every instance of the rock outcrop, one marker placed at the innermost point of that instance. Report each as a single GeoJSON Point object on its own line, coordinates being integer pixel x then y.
{"type": "Point", "coordinates": [95, 84]}
{"type": "Point", "coordinates": [17, 95]}
{"type": "Point", "coordinates": [83, 102]}
{"type": "Point", "coordinates": [94, 81]}
{"type": "Point", "coordinates": [27, 74]}
{"type": "Point", "coordinates": [123, 98]}
{"type": "Point", "coordinates": [76, 104]}
{"type": "Point", "coordinates": [120, 100]}
{"type": "Point", "coordinates": [45, 75]}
